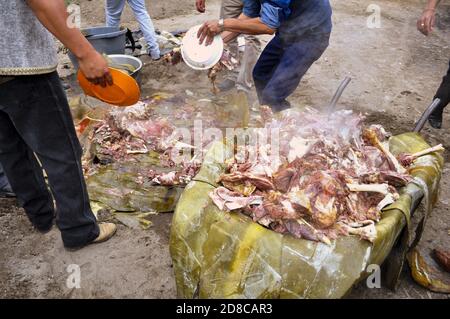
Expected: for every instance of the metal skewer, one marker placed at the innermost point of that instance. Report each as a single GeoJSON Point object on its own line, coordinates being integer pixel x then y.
{"type": "Point", "coordinates": [338, 94]}
{"type": "Point", "coordinates": [423, 119]}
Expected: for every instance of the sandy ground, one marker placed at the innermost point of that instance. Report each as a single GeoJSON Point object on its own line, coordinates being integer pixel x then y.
{"type": "Point", "coordinates": [395, 73]}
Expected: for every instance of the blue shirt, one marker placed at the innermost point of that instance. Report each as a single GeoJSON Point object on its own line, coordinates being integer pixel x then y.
{"type": "Point", "coordinates": [292, 18]}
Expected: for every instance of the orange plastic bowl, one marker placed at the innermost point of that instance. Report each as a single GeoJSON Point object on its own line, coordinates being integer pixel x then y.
{"type": "Point", "coordinates": [124, 91]}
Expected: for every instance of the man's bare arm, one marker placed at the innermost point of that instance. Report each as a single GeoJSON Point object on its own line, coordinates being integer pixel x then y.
{"type": "Point", "coordinates": [253, 26]}
{"type": "Point", "coordinates": [53, 15]}
{"type": "Point", "coordinates": [228, 36]}
{"type": "Point", "coordinates": [232, 28]}
{"type": "Point", "coordinates": [432, 4]}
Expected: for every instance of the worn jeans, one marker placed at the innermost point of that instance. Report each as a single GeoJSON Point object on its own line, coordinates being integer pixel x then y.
{"type": "Point", "coordinates": [443, 93]}
{"type": "Point", "coordinates": [281, 67]}
{"type": "Point", "coordinates": [36, 123]}
{"type": "Point", "coordinates": [232, 9]}
{"type": "Point", "coordinates": [114, 9]}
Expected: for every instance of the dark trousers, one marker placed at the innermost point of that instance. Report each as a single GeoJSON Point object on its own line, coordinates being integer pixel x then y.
{"type": "Point", "coordinates": [35, 119]}
{"type": "Point", "coordinates": [4, 184]}
{"type": "Point", "coordinates": [281, 66]}
{"type": "Point", "coordinates": [443, 93]}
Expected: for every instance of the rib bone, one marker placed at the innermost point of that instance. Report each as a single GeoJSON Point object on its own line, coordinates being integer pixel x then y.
{"type": "Point", "coordinates": [408, 159]}
{"type": "Point", "coordinates": [376, 188]}
{"type": "Point", "coordinates": [366, 229]}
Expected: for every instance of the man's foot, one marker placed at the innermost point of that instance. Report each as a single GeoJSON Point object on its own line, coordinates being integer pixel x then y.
{"type": "Point", "coordinates": [155, 55]}
{"type": "Point", "coordinates": [44, 230]}
{"type": "Point", "coordinates": [107, 230]}
{"type": "Point", "coordinates": [226, 85]}
{"type": "Point", "coordinates": [435, 118]}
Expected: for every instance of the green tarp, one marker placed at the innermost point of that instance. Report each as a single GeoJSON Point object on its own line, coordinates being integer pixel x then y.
{"type": "Point", "coordinates": [117, 187]}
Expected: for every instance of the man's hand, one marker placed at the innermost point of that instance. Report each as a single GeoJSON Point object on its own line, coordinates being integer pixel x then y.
{"type": "Point", "coordinates": [208, 31]}
{"type": "Point", "coordinates": [53, 16]}
{"type": "Point", "coordinates": [426, 22]}
{"type": "Point", "coordinates": [201, 6]}
{"type": "Point", "coordinates": [95, 68]}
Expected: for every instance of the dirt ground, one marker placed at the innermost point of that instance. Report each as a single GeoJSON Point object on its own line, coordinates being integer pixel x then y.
{"type": "Point", "coordinates": [395, 72]}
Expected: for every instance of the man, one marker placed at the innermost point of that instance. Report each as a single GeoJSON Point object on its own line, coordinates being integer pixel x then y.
{"type": "Point", "coordinates": [302, 30]}
{"type": "Point", "coordinates": [5, 189]}
{"type": "Point", "coordinates": [114, 9]}
{"type": "Point", "coordinates": [242, 77]}
{"type": "Point", "coordinates": [425, 24]}
{"type": "Point", "coordinates": [35, 119]}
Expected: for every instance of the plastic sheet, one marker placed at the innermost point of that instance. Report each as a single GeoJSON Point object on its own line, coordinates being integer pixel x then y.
{"type": "Point", "coordinates": [226, 255]}
{"type": "Point", "coordinates": [117, 186]}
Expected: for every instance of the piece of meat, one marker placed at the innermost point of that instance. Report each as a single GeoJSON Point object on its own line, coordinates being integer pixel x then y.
{"type": "Point", "coordinates": [362, 206]}
{"type": "Point", "coordinates": [280, 209]}
{"type": "Point", "coordinates": [212, 75]}
{"type": "Point", "coordinates": [324, 211]}
{"type": "Point", "coordinates": [391, 177]}
{"type": "Point", "coordinates": [278, 227]}
{"type": "Point", "coordinates": [299, 228]}
{"type": "Point", "coordinates": [262, 183]}
{"type": "Point", "coordinates": [320, 194]}
{"type": "Point", "coordinates": [245, 189]}
{"type": "Point", "coordinates": [180, 177]}
{"type": "Point", "coordinates": [282, 179]}
{"type": "Point", "coordinates": [173, 57]}
{"type": "Point", "coordinates": [166, 179]}
{"type": "Point", "coordinates": [299, 147]}
{"type": "Point", "coordinates": [374, 159]}
{"type": "Point", "coordinates": [259, 212]}
{"type": "Point", "coordinates": [266, 113]}
{"type": "Point", "coordinates": [443, 258]}
{"type": "Point", "coordinates": [225, 199]}
{"type": "Point", "coordinates": [382, 134]}
{"type": "Point", "coordinates": [395, 179]}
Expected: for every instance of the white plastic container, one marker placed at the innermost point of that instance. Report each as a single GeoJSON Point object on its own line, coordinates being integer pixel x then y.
{"type": "Point", "coordinates": [199, 56]}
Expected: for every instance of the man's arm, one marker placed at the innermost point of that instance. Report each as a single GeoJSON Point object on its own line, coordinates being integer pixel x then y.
{"type": "Point", "coordinates": [425, 24]}
{"type": "Point", "coordinates": [53, 15]}
{"type": "Point", "coordinates": [232, 28]}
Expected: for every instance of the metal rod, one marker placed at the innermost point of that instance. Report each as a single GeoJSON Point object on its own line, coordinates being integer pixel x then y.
{"type": "Point", "coordinates": [338, 94]}
{"type": "Point", "coordinates": [423, 119]}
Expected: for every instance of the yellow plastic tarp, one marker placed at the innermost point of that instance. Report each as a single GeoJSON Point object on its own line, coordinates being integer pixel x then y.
{"type": "Point", "coordinates": [226, 255]}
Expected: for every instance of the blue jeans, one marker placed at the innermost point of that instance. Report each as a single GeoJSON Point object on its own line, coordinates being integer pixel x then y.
{"type": "Point", "coordinates": [35, 118]}
{"type": "Point", "coordinates": [114, 9]}
{"type": "Point", "coordinates": [282, 65]}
